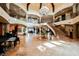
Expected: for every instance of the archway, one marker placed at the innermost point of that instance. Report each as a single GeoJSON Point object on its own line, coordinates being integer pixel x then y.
{"type": "Point", "coordinates": [53, 7]}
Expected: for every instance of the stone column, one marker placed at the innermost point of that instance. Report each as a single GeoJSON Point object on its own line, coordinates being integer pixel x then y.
{"type": "Point", "coordinates": [74, 8]}
{"type": "Point", "coordinates": [2, 29]}
{"type": "Point", "coordinates": [26, 22]}
{"type": "Point", "coordinates": [26, 17]}
{"type": "Point", "coordinates": [35, 31]}
{"type": "Point", "coordinates": [40, 20]}
{"type": "Point", "coordinates": [78, 9]}
{"type": "Point", "coordinates": [53, 18]}
{"type": "Point", "coordinates": [60, 18]}
{"type": "Point", "coordinates": [74, 31]}
{"type": "Point", "coordinates": [40, 33]}
{"type": "Point", "coordinates": [67, 16]}
{"type": "Point", "coordinates": [7, 28]}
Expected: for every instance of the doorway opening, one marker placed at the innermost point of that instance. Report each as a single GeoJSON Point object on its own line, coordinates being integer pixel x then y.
{"type": "Point", "coordinates": [71, 34]}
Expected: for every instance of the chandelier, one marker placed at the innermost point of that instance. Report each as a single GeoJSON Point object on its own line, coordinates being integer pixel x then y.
{"type": "Point", "coordinates": [44, 10]}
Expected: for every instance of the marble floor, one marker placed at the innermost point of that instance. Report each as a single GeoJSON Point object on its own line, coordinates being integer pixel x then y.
{"type": "Point", "coordinates": [32, 46]}
{"type": "Point", "coordinates": [44, 48]}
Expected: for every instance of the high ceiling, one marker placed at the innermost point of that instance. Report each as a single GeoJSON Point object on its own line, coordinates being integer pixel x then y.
{"type": "Point", "coordinates": [21, 9]}
{"type": "Point", "coordinates": [53, 7]}
{"type": "Point", "coordinates": [37, 6]}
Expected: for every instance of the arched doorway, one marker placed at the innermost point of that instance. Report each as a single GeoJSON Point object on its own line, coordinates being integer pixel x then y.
{"type": "Point", "coordinates": [71, 34]}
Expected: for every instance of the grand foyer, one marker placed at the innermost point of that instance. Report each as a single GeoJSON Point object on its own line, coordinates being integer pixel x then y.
{"type": "Point", "coordinates": [37, 29]}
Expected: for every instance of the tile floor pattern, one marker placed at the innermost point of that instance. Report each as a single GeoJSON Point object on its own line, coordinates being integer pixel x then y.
{"type": "Point", "coordinates": [44, 48]}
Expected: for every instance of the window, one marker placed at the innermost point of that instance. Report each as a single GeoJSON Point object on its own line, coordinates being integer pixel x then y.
{"type": "Point", "coordinates": [63, 17]}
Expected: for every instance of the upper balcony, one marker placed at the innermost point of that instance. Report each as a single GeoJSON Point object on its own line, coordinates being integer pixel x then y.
{"type": "Point", "coordinates": [69, 13]}
{"type": "Point", "coordinates": [13, 10]}
{"type": "Point", "coordinates": [6, 18]}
